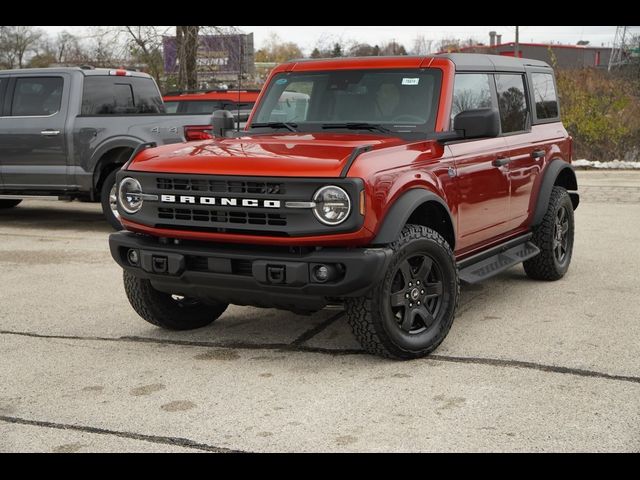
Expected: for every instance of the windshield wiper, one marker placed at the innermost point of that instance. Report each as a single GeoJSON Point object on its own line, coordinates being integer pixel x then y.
{"type": "Point", "coordinates": [292, 127]}
{"type": "Point", "coordinates": [357, 126]}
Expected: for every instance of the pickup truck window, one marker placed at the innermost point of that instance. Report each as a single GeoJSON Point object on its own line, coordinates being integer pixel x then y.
{"type": "Point", "coordinates": [399, 100]}
{"type": "Point", "coordinates": [37, 96]}
{"type": "Point", "coordinates": [471, 91]}
{"type": "Point", "coordinates": [205, 106]}
{"type": "Point", "coordinates": [544, 92]}
{"type": "Point", "coordinates": [512, 101]}
{"type": "Point", "coordinates": [3, 85]}
{"type": "Point", "coordinates": [111, 95]}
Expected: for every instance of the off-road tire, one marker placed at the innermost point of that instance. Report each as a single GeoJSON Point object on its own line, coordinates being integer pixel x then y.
{"type": "Point", "coordinates": [105, 194]}
{"type": "Point", "coordinates": [9, 203]}
{"type": "Point", "coordinates": [372, 318]}
{"type": "Point", "coordinates": [162, 310]}
{"type": "Point", "coordinates": [546, 265]}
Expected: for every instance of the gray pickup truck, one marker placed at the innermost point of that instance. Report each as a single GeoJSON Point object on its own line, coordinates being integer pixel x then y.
{"type": "Point", "coordinates": [65, 132]}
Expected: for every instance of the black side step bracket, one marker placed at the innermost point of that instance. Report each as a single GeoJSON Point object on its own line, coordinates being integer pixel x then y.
{"type": "Point", "coordinates": [487, 267]}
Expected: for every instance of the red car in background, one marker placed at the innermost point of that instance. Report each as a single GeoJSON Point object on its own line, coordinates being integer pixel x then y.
{"type": "Point", "coordinates": [239, 102]}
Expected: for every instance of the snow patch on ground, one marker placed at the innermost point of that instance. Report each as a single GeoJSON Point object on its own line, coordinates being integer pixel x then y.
{"type": "Point", "coordinates": [612, 165]}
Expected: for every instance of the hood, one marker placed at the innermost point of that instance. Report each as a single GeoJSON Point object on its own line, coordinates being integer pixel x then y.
{"type": "Point", "coordinates": [289, 155]}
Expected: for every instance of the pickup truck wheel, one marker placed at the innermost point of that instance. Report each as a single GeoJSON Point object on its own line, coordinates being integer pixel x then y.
{"type": "Point", "coordinates": [554, 238]}
{"type": "Point", "coordinates": [410, 312]}
{"type": "Point", "coordinates": [9, 203]}
{"type": "Point", "coordinates": [171, 312]}
{"type": "Point", "coordinates": [109, 201]}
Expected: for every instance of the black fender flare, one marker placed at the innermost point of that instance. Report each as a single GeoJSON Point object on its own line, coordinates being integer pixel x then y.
{"type": "Point", "coordinates": [402, 209]}
{"type": "Point", "coordinates": [555, 168]}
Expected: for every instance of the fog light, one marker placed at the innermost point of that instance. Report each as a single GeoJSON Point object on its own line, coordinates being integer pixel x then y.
{"type": "Point", "coordinates": [321, 273]}
{"type": "Point", "coordinates": [133, 257]}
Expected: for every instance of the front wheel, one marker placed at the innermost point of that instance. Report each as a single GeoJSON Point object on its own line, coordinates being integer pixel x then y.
{"type": "Point", "coordinates": [9, 203]}
{"type": "Point", "coordinates": [171, 312]}
{"type": "Point", "coordinates": [411, 311]}
{"type": "Point", "coordinates": [109, 201]}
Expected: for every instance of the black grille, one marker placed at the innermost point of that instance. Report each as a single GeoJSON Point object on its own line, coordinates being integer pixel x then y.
{"type": "Point", "coordinates": [222, 216]}
{"type": "Point", "coordinates": [220, 186]}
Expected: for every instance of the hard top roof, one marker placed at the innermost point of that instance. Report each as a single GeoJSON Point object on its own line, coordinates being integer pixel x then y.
{"type": "Point", "coordinates": [462, 61]}
{"type": "Point", "coordinates": [84, 70]}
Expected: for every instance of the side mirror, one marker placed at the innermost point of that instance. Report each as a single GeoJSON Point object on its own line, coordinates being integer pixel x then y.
{"type": "Point", "coordinates": [479, 123]}
{"type": "Point", "coordinates": [222, 121]}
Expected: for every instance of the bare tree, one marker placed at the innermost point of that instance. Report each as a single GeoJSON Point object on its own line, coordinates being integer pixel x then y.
{"type": "Point", "coordinates": [421, 46]}
{"type": "Point", "coordinates": [145, 46]}
{"type": "Point", "coordinates": [187, 43]}
{"type": "Point", "coordinates": [16, 43]}
{"type": "Point", "coordinates": [106, 47]}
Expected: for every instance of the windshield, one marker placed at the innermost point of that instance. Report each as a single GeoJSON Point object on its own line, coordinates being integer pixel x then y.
{"type": "Point", "coordinates": [386, 101]}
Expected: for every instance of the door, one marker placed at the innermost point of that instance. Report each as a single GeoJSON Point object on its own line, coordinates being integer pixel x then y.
{"type": "Point", "coordinates": [526, 152]}
{"type": "Point", "coordinates": [4, 81]}
{"type": "Point", "coordinates": [483, 187]}
{"type": "Point", "coordinates": [32, 138]}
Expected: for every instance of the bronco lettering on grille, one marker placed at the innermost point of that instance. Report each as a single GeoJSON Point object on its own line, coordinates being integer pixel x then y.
{"type": "Point", "coordinates": [221, 201]}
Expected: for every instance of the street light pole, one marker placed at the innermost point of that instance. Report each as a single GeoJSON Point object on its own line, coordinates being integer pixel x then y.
{"type": "Point", "coordinates": [517, 42]}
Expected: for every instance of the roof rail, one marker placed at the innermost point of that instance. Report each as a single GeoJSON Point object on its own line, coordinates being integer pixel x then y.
{"type": "Point", "coordinates": [87, 67]}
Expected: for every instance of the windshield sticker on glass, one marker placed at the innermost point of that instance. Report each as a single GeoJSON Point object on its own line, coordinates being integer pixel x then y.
{"type": "Point", "coordinates": [281, 81]}
{"type": "Point", "coordinates": [410, 81]}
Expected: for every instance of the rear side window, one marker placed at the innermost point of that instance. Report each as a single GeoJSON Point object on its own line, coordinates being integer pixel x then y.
{"type": "Point", "coordinates": [512, 102]}
{"type": "Point", "coordinates": [37, 96]}
{"type": "Point", "coordinates": [120, 96]}
{"type": "Point", "coordinates": [3, 86]}
{"type": "Point", "coordinates": [470, 92]}
{"type": "Point", "coordinates": [171, 107]}
{"type": "Point", "coordinates": [202, 106]}
{"type": "Point", "coordinates": [545, 97]}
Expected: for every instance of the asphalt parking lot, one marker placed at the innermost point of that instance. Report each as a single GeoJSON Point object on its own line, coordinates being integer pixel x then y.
{"type": "Point", "coordinates": [527, 366]}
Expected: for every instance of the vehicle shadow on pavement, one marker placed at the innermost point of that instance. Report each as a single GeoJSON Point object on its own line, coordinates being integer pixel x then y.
{"type": "Point", "coordinates": [56, 216]}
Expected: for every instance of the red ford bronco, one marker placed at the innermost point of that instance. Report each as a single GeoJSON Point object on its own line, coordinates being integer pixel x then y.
{"type": "Point", "coordinates": [380, 183]}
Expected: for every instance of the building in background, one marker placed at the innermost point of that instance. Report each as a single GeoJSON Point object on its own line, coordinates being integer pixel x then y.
{"type": "Point", "coordinates": [564, 56]}
{"type": "Point", "coordinates": [221, 58]}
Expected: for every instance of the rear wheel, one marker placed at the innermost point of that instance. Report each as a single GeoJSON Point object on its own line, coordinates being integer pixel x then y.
{"type": "Point", "coordinates": [9, 203]}
{"type": "Point", "coordinates": [554, 238]}
{"type": "Point", "coordinates": [109, 200]}
{"type": "Point", "coordinates": [411, 311]}
{"type": "Point", "coordinates": [172, 312]}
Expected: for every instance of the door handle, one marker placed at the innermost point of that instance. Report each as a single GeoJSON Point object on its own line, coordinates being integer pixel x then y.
{"type": "Point", "coordinates": [538, 154]}
{"type": "Point", "coordinates": [501, 161]}
{"type": "Point", "coordinates": [50, 133]}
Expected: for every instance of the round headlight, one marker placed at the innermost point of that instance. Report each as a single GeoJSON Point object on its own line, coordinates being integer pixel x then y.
{"type": "Point", "coordinates": [129, 195]}
{"type": "Point", "coordinates": [332, 205]}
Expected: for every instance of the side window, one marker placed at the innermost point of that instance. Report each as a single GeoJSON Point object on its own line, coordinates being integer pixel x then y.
{"type": "Point", "coordinates": [3, 86]}
{"type": "Point", "coordinates": [171, 107]}
{"type": "Point", "coordinates": [202, 106]}
{"type": "Point", "coordinates": [292, 105]}
{"type": "Point", "coordinates": [512, 102]}
{"type": "Point", "coordinates": [471, 91]}
{"type": "Point", "coordinates": [545, 97]}
{"type": "Point", "coordinates": [107, 95]}
{"type": "Point", "coordinates": [37, 96]}
{"type": "Point", "coordinates": [123, 97]}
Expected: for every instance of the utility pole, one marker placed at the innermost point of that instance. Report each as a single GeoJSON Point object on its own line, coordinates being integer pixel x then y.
{"type": "Point", "coordinates": [619, 50]}
{"type": "Point", "coordinates": [517, 43]}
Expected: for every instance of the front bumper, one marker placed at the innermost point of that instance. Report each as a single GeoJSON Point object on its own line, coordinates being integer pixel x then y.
{"type": "Point", "coordinates": [243, 275]}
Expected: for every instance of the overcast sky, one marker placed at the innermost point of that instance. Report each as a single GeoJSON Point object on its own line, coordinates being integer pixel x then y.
{"type": "Point", "coordinates": [308, 36]}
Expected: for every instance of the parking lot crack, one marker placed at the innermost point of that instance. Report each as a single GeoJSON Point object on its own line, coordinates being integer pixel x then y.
{"type": "Point", "coordinates": [293, 347]}
{"type": "Point", "coordinates": [312, 332]}
{"type": "Point", "coordinates": [174, 441]}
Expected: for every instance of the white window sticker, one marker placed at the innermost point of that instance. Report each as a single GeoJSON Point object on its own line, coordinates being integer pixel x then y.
{"type": "Point", "coordinates": [410, 81]}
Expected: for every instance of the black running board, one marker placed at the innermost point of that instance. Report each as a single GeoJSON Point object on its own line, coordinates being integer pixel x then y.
{"type": "Point", "coordinates": [487, 264]}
